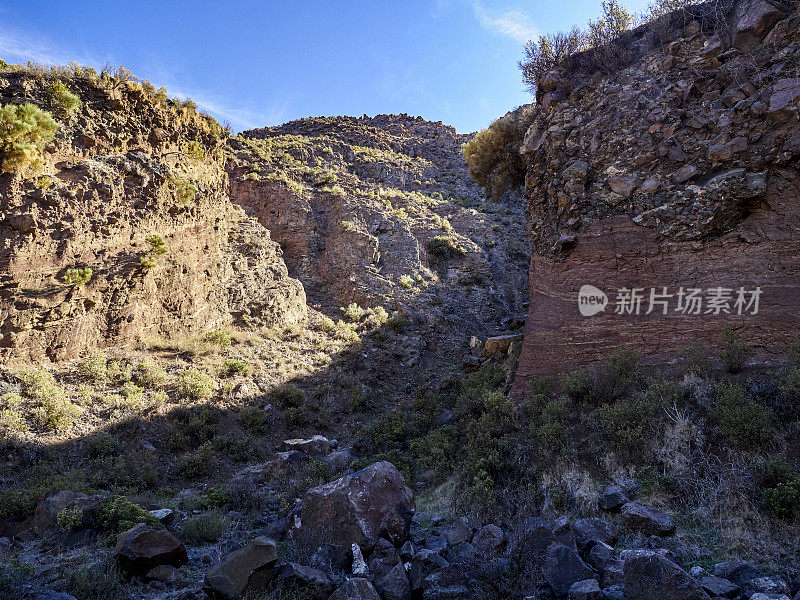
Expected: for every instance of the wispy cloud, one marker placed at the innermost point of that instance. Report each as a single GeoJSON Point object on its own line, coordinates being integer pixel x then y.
{"type": "Point", "coordinates": [17, 46]}
{"type": "Point", "coordinates": [510, 22]}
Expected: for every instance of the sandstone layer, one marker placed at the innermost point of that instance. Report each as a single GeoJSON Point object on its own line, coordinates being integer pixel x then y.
{"type": "Point", "coordinates": [679, 170]}
{"type": "Point", "coordinates": [125, 165]}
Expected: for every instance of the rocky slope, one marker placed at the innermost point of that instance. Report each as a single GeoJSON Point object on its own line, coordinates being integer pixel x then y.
{"type": "Point", "coordinates": [677, 171]}
{"type": "Point", "coordinates": [125, 165]}
{"type": "Point", "coordinates": [380, 211]}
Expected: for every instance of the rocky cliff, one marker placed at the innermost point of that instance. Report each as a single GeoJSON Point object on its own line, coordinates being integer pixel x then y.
{"type": "Point", "coordinates": [677, 171]}
{"type": "Point", "coordinates": [127, 164]}
{"type": "Point", "coordinates": [381, 211]}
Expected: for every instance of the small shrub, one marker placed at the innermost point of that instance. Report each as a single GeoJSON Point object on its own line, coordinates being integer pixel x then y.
{"type": "Point", "coordinates": [195, 385]}
{"type": "Point", "coordinates": [352, 313]}
{"type": "Point", "coordinates": [11, 417]}
{"type": "Point", "coordinates": [132, 393]}
{"type": "Point", "coordinates": [779, 483]}
{"type": "Point", "coordinates": [96, 581]}
{"type": "Point", "coordinates": [93, 367]}
{"type": "Point", "coordinates": [492, 156]}
{"type": "Point", "coordinates": [204, 529]}
{"type": "Point", "coordinates": [62, 101]}
{"type": "Point", "coordinates": [444, 246]}
{"type": "Point", "coordinates": [734, 351]}
{"type": "Point", "coordinates": [406, 281]}
{"type": "Point", "coordinates": [24, 131]}
{"type": "Point", "coordinates": [197, 464]}
{"type": "Point", "coordinates": [118, 514]}
{"type": "Point", "coordinates": [233, 366]}
{"type": "Point", "coordinates": [157, 244]}
{"type": "Point", "coordinates": [185, 190]}
{"type": "Point", "coordinates": [78, 276]}
{"type": "Point", "coordinates": [286, 396]}
{"type": "Point", "coordinates": [219, 337]}
{"type": "Point", "coordinates": [102, 444]}
{"type": "Point", "coordinates": [218, 497]}
{"type": "Point", "coordinates": [253, 419]}
{"type": "Point", "coordinates": [149, 374]}
{"type": "Point", "coordinates": [70, 519]}
{"type": "Point", "coordinates": [603, 382]}
{"type": "Point", "coordinates": [13, 576]}
{"type": "Point", "coordinates": [743, 421]}
{"type": "Point", "coordinates": [194, 150]}
{"type": "Point", "coordinates": [693, 359]}
{"type": "Point", "coordinates": [548, 53]}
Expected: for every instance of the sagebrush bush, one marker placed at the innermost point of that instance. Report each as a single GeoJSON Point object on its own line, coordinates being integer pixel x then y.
{"type": "Point", "coordinates": [234, 366]}
{"type": "Point", "coordinates": [93, 368]}
{"type": "Point", "coordinates": [444, 246]}
{"type": "Point", "coordinates": [734, 351]}
{"type": "Point", "coordinates": [78, 275]}
{"type": "Point", "coordinates": [118, 514]}
{"type": "Point", "coordinates": [62, 101]}
{"type": "Point", "coordinates": [604, 381]}
{"type": "Point", "coordinates": [253, 419]}
{"type": "Point", "coordinates": [70, 519]}
{"type": "Point", "coordinates": [693, 359]}
{"type": "Point", "coordinates": [149, 374]}
{"type": "Point", "coordinates": [779, 483]}
{"type": "Point", "coordinates": [286, 396]}
{"type": "Point", "coordinates": [743, 421]}
{"type": "Point", "coordinates": [11, 417]}
{"type": "Point", "coordinates": [195, 384]}
{"type": "Point", "coordinates": [219, 337]}
{"type": "Point", "coordinates": [24, 131]}
{"type": "Point", "coordinates": [95, 581]}
{"type": "Point", "coordinates": [492, 156]}
{"type": "Point", "coordinates": [205, 528]}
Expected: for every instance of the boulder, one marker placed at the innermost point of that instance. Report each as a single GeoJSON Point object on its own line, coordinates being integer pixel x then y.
{"type": "Point", "coordinates": [164, 574]}
{"type": "Point", "coordinates": [588, 589]}
{"type": "Point", "coordinates": [563, 567]}
{"type": "Point", "coordinates": [500, 344]}
{"type": "Point", "coordinates": [612, 498]}
{"type": "Point", "coordinates": [248, 569]}
{"type": "Point", "coordinates": [458, 533]}
{"type": "Point", "coordinates": [601, 556]}
{"type": "Point", "coordinates": [649, 575]}
{"type": "Point", "coordinates": [624, 185]}
{"type": "Point", "coordinates": [317, 446]}
{"type": "Point", "coordinates": [719, 587]}
{"type": "Point", "coordinates": [355, 589]}
{"type": "Point", "coordinates": [312, 582]}
{"type": "Point", "coordinates": [755, 18]}
{"type": "Point", "coordinates": [785, 92]}
{"type": "Point", "coordinates": [45, 516]}
{"type": "Point", "coordinates": [647, 520]}
{"type": "Point", "coordinates": [339, 461]}
{"type": "Point", "coordinates": [737, 571]}
{"type": "Point", "coordinates": [142, 547]}
{"type": "Point", "coordinates": [394, 585]}
{"type": "Point", "coordinates": [685, 173]}
{"type": "Point", "coordinates": [283, 464]}
{"type": "Point", "coordinates": [594, 530]}
{"type": "Point", "coordinates": [359, 508]}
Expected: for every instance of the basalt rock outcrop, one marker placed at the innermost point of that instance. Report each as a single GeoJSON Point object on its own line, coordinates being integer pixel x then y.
{"type": "Point", "coordinates": [127, 164]}
{"type": "Point", "coordinates": [381, 211]}
{"type": "Point", "coordinates": [677, 170]}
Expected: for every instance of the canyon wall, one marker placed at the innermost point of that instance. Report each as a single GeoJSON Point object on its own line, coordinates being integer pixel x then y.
{"type": "Point", "coordinates": [129, 163]}
{"type": "Point", "coordinates": [677, 171]}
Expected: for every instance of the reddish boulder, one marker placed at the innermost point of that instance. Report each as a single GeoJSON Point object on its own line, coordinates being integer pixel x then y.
{"type": "Point", "coordinates": [248, 569]}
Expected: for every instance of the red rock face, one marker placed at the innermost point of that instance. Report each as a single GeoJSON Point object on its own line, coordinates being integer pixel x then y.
{"type": "Point", "coordinates": [616, 253]}
{"type": "Point", "coordinates": [675, 175]}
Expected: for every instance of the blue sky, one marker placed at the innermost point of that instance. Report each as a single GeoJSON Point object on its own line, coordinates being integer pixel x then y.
{"type": "Point", "coordinates": [262, 63]}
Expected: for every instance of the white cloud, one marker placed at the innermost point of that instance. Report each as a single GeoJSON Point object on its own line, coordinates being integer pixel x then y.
{"type": "Point", "coordinates": [509, 22]}
{"type": "Point", "coordinates": [20, 47]}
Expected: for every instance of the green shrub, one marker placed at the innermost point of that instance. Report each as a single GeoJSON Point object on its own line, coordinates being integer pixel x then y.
{"type": "Point", "coordinates": [253, 419]}
{"type": "Point", "coordinates": [132, 393]}
{"type": "Point", "coordinates": [134, 472]}
{"type": "Point", "coordinates": [14, 576]}
{"type": "Point", "coordinates": [93, 367]}
{"type": "Point", "coordinates": [193, 427]}
{"type": "Point", "coordinates": [195, 385]}
{"type": "Point", "coordinates": [734, 351]}
{"type": "Point", "coordinates": [693, 359]}
{"type": "Point", "coordinates": [492, 156]}
{"type": "Point", "coordinates": [78, 276]}
{"type": "Point", "coordinates": [118, 514]}
{"type": "Point", "coordinates": [353, 313]}
{"type": "Point", "coordinates": [218, 497]}
{"type": "Point", "coordinates": [233, 366]}
{"type": "Point", "coordinates": [157, 244]}
{"type": "Point", "coordinates": [185, 190]}
{"type": "Point", "coordinates": [102, 444]}
{"type": "Point", "coordinates": [286, 396]}
{"type": "Point", "coordinates": [604, 381]}
{"type": "Point", "coordinates": [197, 464]}
{"type": "Point", "coordinates": [204, 529]}
{"type": "Point", "coordinates": [548, 53]}
{"type": "Point", "coordinates": [219, 337]}
{"type": "Point", "coordinates": [444, 246]}
{"type": "Point", "coordinates": [62, 101]}
{"type": "Point", "coordinates": [149, 374]}
{"type": "Point", "coordinates": [70, 519]}
{"type": "Point", "coordinates": [95, 581]}
{"type": "Point", "coordinates": [651, 480]}
{"type": "Point", "coordinates": [194, 150]}
{"type": "Point", "coordinates": [780, 487]}
{"type": "Point", "coordinates": [11, 415]}
{"type": "Point", "coordinates": [743, 421]}
{"type": "Point", "coordinates": [24, 131]}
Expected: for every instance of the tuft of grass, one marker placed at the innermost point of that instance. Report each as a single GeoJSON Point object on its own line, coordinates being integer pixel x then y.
{"type": "Point", "coordinates": [204, 529]}
{"type": "Point", "coordinates": [78, 275]}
